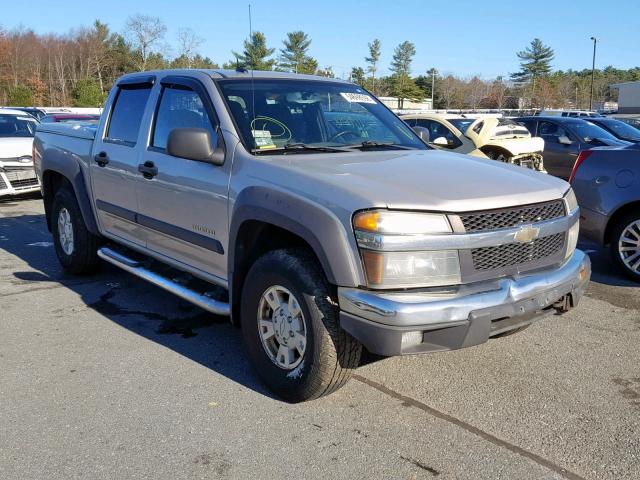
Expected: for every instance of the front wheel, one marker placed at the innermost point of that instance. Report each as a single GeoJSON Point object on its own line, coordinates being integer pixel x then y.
{"type": "Point", "coordinates": [625, 245]}
{"type": "Point", "coordinates": [76, 247]}
{"type": "Point", "coordinates": [291, 328]}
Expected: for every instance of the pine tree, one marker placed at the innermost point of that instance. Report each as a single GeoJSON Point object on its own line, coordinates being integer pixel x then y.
{"type": "Point", "coordinates": [535, 62]}
{"type": "Point", "coordinates": [403, 86]}
{"type": "Point", "coordinates": [293, 57]}
{"type": "Point", "coordinates": [256, 54]}
{"type": "Point", "coordinates": [357, 76]}
{"type": "Point", "coordinates": [372, 60]}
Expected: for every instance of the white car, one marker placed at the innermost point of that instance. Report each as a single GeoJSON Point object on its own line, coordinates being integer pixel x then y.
{"type": "Point", "coordinates": [17, 175]}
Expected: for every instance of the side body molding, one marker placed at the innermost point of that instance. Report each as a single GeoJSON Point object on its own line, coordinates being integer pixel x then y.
{"type": "Point", "coordinates": [317, 225]}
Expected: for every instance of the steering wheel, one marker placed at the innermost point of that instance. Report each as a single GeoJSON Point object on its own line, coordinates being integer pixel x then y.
{"type": "Point", "coordinates": [339, 135]}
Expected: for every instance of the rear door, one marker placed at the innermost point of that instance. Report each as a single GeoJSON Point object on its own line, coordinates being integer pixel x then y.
{"type": "Point", "coordinates": [558, 157]}
{"type": "Point", "coordinates": [183, 207]}
{"type": "Point", "coordinates": [114, 167]}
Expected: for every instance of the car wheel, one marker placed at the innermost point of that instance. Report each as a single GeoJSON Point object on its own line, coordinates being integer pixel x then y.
{"type": "Point", "coordinates": [291, 327]}
{"type": "Point", "coordinates": [75, 246]}
{"type": "Point", "coordinates": [498, 155]}
{"type": "Point", "coordinates": [625, 245]}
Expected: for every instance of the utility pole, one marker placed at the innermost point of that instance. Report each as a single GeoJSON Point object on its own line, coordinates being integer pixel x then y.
{"type": "Point", "coordinates": [593, 69]}
{"type": "Point", "coordinates": [433, 88]}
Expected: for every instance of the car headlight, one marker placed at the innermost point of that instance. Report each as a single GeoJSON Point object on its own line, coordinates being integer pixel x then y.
{"type": "Point", "coordinates": [571, 201]}
{"type": "Point", "coordinates": [380, 232]}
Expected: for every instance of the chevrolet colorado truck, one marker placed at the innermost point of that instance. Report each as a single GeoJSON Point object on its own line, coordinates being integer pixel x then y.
{"type": "Point", "coordinates": [306, 211]}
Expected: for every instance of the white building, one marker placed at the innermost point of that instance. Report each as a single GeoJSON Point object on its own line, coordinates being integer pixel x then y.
{"type": "Point", "coordinates": [392, 102]}
{"type": "Point", "coordinates": [628, 96]}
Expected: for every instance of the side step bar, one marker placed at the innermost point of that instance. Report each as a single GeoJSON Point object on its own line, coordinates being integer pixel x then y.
{"type": "Point", "coordinates": [134, 267]}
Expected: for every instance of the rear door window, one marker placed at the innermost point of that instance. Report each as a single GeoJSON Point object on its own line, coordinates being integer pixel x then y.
{"type": "Point", "coordinates": [126, 115]}
{"type": "Point", "coordinates": [551, 131]}
{"type": "Point", "coordinates": [179, 108]}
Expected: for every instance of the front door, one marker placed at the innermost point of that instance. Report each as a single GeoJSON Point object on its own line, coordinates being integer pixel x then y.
{"type": "Point", "coordinates": [558, 157]}
{"type": "Point", "coordinates": [114, 166]}
{"type": "Point", "coordinates": [183, 207]}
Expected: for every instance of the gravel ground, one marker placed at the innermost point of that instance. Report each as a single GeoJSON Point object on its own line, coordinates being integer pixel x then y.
{"type": "Point", "coordinates": [109, 377]}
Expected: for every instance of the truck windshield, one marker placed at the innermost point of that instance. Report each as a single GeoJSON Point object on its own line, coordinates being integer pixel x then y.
{"type": "Point", "coordinates": [278, 115]}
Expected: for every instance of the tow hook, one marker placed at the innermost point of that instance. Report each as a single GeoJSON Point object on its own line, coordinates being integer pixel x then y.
{"type": "Point", "coordinates": [564, 304]}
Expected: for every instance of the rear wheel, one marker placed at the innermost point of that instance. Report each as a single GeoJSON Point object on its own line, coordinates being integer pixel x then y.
{"type": "Point", "coordinates": [625, 245]}
{"type": "Point", "coordinates": [75, 246]}
{"type": "Point", "coordinates": [291, 328]}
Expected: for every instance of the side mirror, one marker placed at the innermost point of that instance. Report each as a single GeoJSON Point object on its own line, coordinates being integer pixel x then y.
{"type": "Point", "coordinates": [564, 140]}
{"type": "Point", "coordinates": [195, 144]}
{"type": "Point", "coordinates": [422, 132]}
{"type": "Point", "coordinates": [441, 141]}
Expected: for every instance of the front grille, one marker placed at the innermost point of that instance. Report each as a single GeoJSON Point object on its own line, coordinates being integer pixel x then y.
{"type": "Point", "coordinates": [25, 182]}
{"type": "Point", "coordinates": [511, 217]}
{"type": "Point", "coordinates": [490, 258]}
{"type": "Point", "coordinates": [3, 184]}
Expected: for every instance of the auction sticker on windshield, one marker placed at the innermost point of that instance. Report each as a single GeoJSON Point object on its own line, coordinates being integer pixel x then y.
{"type": "Point", "coordinates": [357, 97]}
{"type": "Point", "coordinates": [263, 139]}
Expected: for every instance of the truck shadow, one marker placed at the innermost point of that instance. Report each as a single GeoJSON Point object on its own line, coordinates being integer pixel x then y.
{"type": "Point", "coordinates": [604, 271]}
{"type": "Point", "coordinates": [127, 301]}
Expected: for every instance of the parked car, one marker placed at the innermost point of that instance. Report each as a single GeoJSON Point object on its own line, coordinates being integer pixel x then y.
{"type": "Point", "coordinates": [564, 138]}
{"type": "Point", "coordinates": [607, 184]}
{"type": "Point", "coordinates": [568, 113]}
{"type": "Point", "coordinates": [84, 118]}
{"type": "Point", "coordinates": [620, 130]}
{"type": "Point", "coordinates": [632, 120]}
{"type": "Point", "coordinates": [325, 222]}
{"type": "Point", "coordinates": [35, 112]}
{"type": "Point", "coordinates": [17, 175]}
{"type": "Point", "coordinates": [488, 137]}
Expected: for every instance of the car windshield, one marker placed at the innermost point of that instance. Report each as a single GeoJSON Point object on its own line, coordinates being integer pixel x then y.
{"type": "Point", "coordinates": [588, 132]}
{"type": "Point", "coordinates": [311, 115]}
{"type": "Point", "coordinates": [622, 130]}
{"type": "Point", "coordinates": [17, 125]}
{"type": "Point", "coordinates": [461, 123]}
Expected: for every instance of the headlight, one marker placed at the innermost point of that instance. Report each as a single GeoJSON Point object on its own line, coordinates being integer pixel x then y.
{"type": "Point", "coordinates": [401, 223]}
{"type": "Point", "coordinates": [380, 232]}
{"type": "Point", "coordinates": [411, 269]}
{"type": "Point", "coordinates": [571, 201]}
{"type": "Point", "coordinates": [572, 240]}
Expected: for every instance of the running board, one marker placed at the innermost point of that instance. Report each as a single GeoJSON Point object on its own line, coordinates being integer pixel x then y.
{"type": "Point", "coordinates": [136, 268]}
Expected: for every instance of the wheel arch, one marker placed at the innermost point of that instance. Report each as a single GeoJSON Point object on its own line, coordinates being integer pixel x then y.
{"type": "Point", "coordinates": [265, 220]}
{"type": "Point", "coordinates": [616, 216]}
{"type": "Point", "coordinates": [59, 171]}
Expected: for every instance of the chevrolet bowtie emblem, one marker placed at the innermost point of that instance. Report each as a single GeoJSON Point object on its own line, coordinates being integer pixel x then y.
{"type": "Point", "coordinates": [527, 234]}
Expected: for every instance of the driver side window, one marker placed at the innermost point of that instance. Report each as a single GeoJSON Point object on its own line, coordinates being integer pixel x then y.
{"type": "Point", "coordinates": [438, 130]}
{"type": "Point", "coordinates": [552, 131]}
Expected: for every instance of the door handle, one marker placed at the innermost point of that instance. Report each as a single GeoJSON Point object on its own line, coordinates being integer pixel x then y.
{"type": "Point", "coordinates": [148, 170]}
{"type": "Point", "coordinates": [101, 158]}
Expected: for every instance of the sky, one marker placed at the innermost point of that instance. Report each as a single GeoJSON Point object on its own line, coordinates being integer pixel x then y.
{"type": "Point", "coordinates": [462, 37]}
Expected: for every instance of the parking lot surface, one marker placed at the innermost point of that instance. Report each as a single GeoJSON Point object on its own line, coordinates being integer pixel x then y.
{"type": "Point", "coordinates": [110, 377]}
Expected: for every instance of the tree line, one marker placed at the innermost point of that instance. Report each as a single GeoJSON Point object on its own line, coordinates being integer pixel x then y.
{"type": "Point", "coordinates": [79, 67]}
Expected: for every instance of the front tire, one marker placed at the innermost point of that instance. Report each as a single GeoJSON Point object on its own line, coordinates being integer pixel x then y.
{"type": "Point", "coordinates": [76, 247]}
{"type": "Point", "coordinates": [291, 328]}
{"type": "Point", "coordinates": [625, 245]}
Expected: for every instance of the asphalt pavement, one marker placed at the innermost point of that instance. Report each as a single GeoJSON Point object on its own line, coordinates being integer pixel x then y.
{"type": "Point", "coordinates": [108, 377]}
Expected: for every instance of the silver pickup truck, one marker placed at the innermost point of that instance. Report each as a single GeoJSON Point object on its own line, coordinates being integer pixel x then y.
{"type": "Point", "coordinates": [312, 216]}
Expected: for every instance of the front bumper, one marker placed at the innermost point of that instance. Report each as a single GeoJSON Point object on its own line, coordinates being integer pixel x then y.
{"type": "Point", "coordinates": [19, 180]}
{"type": "Point", "coordinates": [399, 323]}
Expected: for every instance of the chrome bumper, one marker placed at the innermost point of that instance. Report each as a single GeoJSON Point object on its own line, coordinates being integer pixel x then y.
{"type": "Point", "coordinates": [466, 316]}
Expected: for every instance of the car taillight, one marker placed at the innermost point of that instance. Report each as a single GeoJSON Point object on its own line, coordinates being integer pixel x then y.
{"type": "Point", "coordinates": [584, 154]}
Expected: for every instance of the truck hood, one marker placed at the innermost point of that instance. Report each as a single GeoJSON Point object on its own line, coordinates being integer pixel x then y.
{"type": "Point", "coordinates": [416, 179]}
{"type": "Point", "coordinates": [14, 147]}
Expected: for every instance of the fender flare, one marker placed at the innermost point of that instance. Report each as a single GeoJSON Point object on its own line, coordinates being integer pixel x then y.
{"type": "Point", "coordinates": [57, 161]}
{"type": "Point", "coordinates": [312, 222]}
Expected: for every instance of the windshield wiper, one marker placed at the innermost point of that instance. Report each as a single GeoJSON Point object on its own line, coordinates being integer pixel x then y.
{"type": "Point", "coordinates": [372, 144]}
{"type": "Point", "coordinates": [300, 146]}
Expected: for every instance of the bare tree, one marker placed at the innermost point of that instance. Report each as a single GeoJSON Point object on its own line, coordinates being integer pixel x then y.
{"type": "Point", "coordinates": [189, 42]}
{"type": "Point", "coordinates": [144, 31]}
